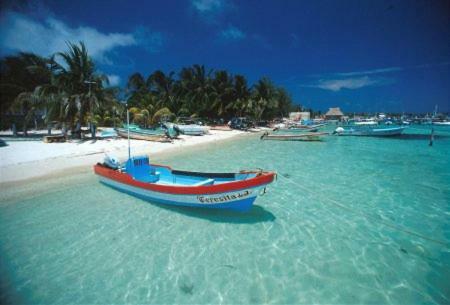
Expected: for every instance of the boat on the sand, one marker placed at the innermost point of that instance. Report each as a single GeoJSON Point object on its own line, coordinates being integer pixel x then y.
{"type": "Point", "coordinates": [140, 135]}
{"type": "Point", "coordinates": [192, 129]}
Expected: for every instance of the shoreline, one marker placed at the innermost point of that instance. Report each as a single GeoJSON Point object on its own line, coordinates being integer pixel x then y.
{"type": "Point", "coordinates": [25, 161]}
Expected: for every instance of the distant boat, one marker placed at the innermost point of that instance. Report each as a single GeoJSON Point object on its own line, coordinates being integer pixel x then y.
{"type": "Point", "coordinates": [366, 122]}
{"type": "Point", "coordinates": [168, 130]}
{"type": "Point", "coordinates": [444, 123]}
{"type": "Point", "coordinates": [369, 131]}
{"type": "Point", "coordinates": [193, 129]}
{"type": "Point", "coordinates": [108, 133]}
{"type": "Point", "coordinates": [300, 128]}
{"type": "Point", "coordinates": [142, 135]}
{"type": "Point", "coordinates": [163, 185]}
{"type": "Point", "coordinates": [307, 136]}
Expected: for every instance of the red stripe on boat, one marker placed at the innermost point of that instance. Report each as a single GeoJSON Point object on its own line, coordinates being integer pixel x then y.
{"type": "Point", "coordinates": [264, 178]}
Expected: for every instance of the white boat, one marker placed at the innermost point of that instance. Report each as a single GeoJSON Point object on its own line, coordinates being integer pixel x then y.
{"type": "Point", "coordinates": [307, 136]}
{"type": "Point", "coordinates": [369, 131]}
{"type": "Point", "coordinates": [446, 123]}
{"type": "Point", "coordinates": [193, 129]}
{"type": "Point", "coordinates": [366, 122]}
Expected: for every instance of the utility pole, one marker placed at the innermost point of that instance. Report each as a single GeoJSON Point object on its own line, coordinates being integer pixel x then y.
{"type": "Point", "coordinates": [90, 108]}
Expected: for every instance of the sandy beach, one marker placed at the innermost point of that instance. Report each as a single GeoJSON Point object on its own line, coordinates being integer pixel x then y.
{"type": "Point", "coordinates": [22, 160]}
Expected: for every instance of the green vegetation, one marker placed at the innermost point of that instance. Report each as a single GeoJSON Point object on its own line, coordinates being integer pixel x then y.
{"type": "Point", "coordinates": [207, 94]}
{"type": "Point", "coordinates": [65, 88]}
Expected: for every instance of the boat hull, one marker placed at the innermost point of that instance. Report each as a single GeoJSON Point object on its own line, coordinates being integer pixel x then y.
{"type": "Point", "coordinates": [238, 201]}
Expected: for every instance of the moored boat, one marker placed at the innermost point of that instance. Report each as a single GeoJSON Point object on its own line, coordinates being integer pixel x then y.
{"type": "Point", "coordinates": [366, 122]}
{"type": "Point", "coordinates": [442, 123]}
{"type": "Point", "coordinates": [307, 136]}
{"type": "Point", "coordinates": [378, 131]}
{"type": "Point", "coordinates": [163, 185]}
{"type": "Point", "coordinates": [300, 128]}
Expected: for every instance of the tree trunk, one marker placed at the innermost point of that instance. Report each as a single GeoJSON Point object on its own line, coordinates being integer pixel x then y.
{"type": "Point", "coordinates": [64, 129]}
{"type": "Point", "coordinates": [14, 129]}
{"type": "Point", "coordinates": [93, 130]}
{"type": "Point", "coordinates": [24, 129]}
{"type": "Point", "coordinates": [78, 130]}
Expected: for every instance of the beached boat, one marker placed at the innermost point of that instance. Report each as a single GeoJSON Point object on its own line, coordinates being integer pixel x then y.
{"type": "Point", "coordinates": [108, 133]}
{"type": "Point", "coordinates": [163, 185]}
{"type": "Point", "coordinates": [369, 131]}
{"type": "Point", "coordinates": [193, 129]}
{"type": "Point", "coordinates": [142, 135]}
{"type": "Point", "coordinates": [168, 129]}
{"type": "Point", "coordinates": [307, 136]}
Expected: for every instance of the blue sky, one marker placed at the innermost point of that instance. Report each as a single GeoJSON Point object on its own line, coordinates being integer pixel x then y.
{"type": "Point", "coordinates": [377, 56]}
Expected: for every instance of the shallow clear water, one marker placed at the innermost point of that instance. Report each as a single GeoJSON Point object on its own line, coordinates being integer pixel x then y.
{"type": "Point", "coordinates": [330, 230]}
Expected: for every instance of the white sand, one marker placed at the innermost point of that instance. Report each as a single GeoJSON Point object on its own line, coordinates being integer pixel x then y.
{"type": "Point", "coordinates": [22, 160]}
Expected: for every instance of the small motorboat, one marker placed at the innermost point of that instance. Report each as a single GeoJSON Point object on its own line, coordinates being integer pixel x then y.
{"type": "Point", "coordinates": [192, 129]}
{"type": "Point", "coordinates": [108, 133]}
{"type": "Point", "coordinates": [297, 129]}
{"type": "Point", "coordinates": [307, 136]}
{"type": "Point", "coordinates": [366, 122]}
{"type": "Point", "coordinates": [369, 131]}
{"type": "Point", "coordinates": [442, 123]}
{"type": "Point", "coordinates": [163, 185]}
{"type": "Point", "coordinates": [142, 135]}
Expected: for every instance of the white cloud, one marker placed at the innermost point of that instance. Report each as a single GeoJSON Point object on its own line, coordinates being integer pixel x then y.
{"type": "Point", "coordinates": [391, 69]}
{"type": "Point", "coordinates": [18, 32]}
{"type": "Point", "coordinates": [114, 80]}
{"type": "Point", "coordinates": [347, 83]}
{"type": "Point", "coordinates": [232, 33]}
{"type": "Point", "coordinates": [204, 6]}
{"type": "Point", "coordinates": [374, 71]}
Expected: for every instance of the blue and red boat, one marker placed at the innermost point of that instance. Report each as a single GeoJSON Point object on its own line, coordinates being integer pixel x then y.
{"type": "Point", "coordinates": [163, 185]}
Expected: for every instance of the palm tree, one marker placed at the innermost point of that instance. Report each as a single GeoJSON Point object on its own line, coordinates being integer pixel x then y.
{"type": "Point", "coordinates": [241, 96]}
{"type": "Point", "coordinates": [82, 87]}
{"type": "Point", "coordinates": [284, 102]}
{"type": "Point", "coordinates": [20, 76]}
{"type": "Point", "coordinates": [196, 90]}
{"type": "Point", "coordinates": [263, 98]}
{"type": "Point", "coordinates": [162, 87]}
{"type": "Point", "coordinates": [223, 93]}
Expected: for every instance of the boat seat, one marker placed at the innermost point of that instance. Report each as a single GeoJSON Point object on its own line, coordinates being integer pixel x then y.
{"type": "Point", "coordinates": [204, 182]}
{"type": "Point", "coordinates": [152, 178]}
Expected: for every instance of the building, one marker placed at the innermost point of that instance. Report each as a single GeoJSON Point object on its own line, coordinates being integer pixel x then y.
{"type": "Point", "coordinates": [334, 114]}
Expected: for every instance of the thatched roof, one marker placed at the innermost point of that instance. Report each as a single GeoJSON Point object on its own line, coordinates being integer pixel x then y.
{"type": "Point", "coordinates": [334, 112]}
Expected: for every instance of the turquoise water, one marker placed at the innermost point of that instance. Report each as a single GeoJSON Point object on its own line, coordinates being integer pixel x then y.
{"type": "Point", "coordinates": [330, 230]}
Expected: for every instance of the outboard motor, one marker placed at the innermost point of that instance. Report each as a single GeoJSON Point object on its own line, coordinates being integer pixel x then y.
{"type": "Point", "coordinates": [111, 162]}
{"type": "Point", "coordinates": [339, 130]}
{"type": "Point", "coordinates": [140, 169]}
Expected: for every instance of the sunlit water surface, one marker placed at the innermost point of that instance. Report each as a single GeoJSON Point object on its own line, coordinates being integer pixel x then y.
{"type": "Point", "coordinates": [331, 229]}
